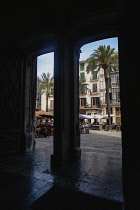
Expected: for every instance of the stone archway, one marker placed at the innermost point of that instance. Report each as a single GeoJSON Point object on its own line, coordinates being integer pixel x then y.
{"type": "Point", "coordinates": [66, 44]}
{"type": "Point", "coordinates": [30, 81]}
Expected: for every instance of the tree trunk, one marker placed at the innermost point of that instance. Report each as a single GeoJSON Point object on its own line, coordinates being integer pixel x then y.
{"type": "Point", "coordinates": [107, 97]}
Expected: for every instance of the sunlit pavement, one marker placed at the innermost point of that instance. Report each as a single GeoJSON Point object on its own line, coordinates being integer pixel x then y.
{"type": "Point", "coordinates": [99, 171]}
{"type": "Point", "coordinates": [26, 177]}
{"type": "Point", "coordinates": [108, 133]}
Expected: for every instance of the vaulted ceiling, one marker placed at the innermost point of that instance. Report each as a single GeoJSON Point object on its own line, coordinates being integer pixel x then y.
{"type": "Point", "coordinates": [19, 19]}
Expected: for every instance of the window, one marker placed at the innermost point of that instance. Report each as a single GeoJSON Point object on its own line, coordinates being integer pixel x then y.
{"type": "Point", "coordinates": [117, 79]}
{"type": "Point", "coordinates": [51, 104]}
{"type": "Point", "coordinates": [117, 109]}
{"type": "Point", "coordinates": [94, 75]}
{"type": "Point", "coordinates": [82, 65]}
{"type": "Point", "coordinates": [118, 96]}
{"type": "Point", "coordinates": [85, 89]}
{"type": "Point", "coordinates": [94, 88]}
{"type": "Point", "coordinates": [83, 101]}
{"type": "Point", "coordinates": [82, 75]}
{"type": "Point", "coordinates": [95, 101]}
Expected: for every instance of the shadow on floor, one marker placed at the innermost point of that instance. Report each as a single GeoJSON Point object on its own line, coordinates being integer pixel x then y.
{"type": "Point", "coordinates": [58, 198]}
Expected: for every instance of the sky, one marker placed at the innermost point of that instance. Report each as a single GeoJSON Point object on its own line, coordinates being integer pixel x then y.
{"type": "Point", "coordinates": [45, 63]}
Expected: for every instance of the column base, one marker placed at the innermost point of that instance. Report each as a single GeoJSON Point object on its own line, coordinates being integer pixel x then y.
{"type": "Point", "coordinates": [55, 162]}
{"type": "Point", "coordinates": [77, 154]}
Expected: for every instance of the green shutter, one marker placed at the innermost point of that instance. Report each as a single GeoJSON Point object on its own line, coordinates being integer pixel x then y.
{"type": "Point", "coordinates": [94, 74]}
{"type": "Point", "coordinates": [82, 66]}
{"type": "Point", "coordinates": [82, 75]}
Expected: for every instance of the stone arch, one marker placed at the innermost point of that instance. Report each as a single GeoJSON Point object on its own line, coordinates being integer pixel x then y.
{"type": "Point", "coordinates": [32, 47]}
{"type": "Point", "coordinates": [94, 27]}
{"type": "Point", "coordinates": [66, 43]}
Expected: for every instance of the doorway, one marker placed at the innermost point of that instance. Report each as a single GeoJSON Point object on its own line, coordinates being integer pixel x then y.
{"type": "Point", "coordinates": [44, 114]}
{"type": "Point", "coordinates": [101, 146]}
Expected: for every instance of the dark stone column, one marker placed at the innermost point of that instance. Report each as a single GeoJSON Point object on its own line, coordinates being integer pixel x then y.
{"type": "Point", "coordinates": [76, 146]}
{"type": "Point", "coordinates": [129, 87]}
{"type": "Point", "coordinates": [66, 136]}
{"type": "Point", "coordinates": [56, 157]}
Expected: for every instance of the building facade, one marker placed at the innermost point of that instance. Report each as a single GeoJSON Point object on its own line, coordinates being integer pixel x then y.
{"type": "Point", "coordinates": [41, 102]}
{"type": "Point", "coordinates": [92, 95]}
{"type": "Point", "coordinates": [92, 98]}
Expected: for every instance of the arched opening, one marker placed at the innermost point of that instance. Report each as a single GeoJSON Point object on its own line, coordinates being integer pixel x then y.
{"type": "Point", "coordinates": [44, 114]}
{"type": "Point", "coordinates": [33, 94]}
{"type": "Point", "coordinates": [67, 145]}
{"type": "Point", "coordinates": [101, 146]}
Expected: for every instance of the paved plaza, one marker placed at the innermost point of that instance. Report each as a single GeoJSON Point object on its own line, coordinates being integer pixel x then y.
{"type": "Point", "coordinates": [24, 178]}
{"type": "Point", "coordinates": [99, 170]}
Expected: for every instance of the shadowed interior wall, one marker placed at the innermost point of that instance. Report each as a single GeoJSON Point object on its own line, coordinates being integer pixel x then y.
{"type": "Point", "coordinates": [17, 91]}
{"type": "Point", "coordinates": [11, 94]}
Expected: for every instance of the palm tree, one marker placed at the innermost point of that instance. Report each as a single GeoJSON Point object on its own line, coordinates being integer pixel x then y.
{"type": "Point", "coordinates": [105, 58]}
{"type": "Point", "coordinates": [83, 87]}
{"type": "Point", "coordinates": [46, 84]}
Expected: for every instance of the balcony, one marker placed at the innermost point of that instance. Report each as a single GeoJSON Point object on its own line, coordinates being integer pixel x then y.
{"type": "Point", "coordinates": [90, 106]}
{"type": "Point", "coordinates": [95, 106]}
{"type": "Point", "coordinates": [115, 85]}
{"type": "Point", "coordinates": [82, 93]}
{"type": "Point", "coordinates": [112, 101]}
{"type": "Point", "coordinates": [115, 101]}
{"type": "Point", "coordinates": [94, 93]}
{"type": "Point", "coordinates": [94, 79]}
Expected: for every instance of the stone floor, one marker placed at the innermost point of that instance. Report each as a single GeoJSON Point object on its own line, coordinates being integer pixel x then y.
{"type": "Point", "coordinates": [24, 178]}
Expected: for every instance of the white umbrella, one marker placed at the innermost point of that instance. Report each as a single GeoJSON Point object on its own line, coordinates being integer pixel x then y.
{"type": "Point", "coordinates": [111, 115]}
{"type": "Point", "coordinates": [88, 116]}
{"type": "Point", "coordinates": [118, 115]}
{"type": "Point", "coordinates": [97, 116]}
{"type": "Point", "coordinates": [82, 116]}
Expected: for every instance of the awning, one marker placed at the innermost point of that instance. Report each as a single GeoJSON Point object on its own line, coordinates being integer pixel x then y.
{"type": "Point", "coordinates": [43, 113]}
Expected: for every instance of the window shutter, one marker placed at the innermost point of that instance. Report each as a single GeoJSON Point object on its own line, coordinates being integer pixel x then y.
{"type": "Point", "coordinates": [94, 87]}
{"type": "Point", "coordinates": [94, 75]}
{"type": "Point", "coordinates": [82, 65]}
{"type": "Point", "coordinates": [98, 101]}
{"type": "Point", "coordinates": [82, 75]}
{"type": "Point", "coordinates": [84, 101]}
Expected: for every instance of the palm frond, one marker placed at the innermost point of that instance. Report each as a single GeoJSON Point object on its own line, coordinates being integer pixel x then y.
{"type": "Point", "coordinates": [45, 83]}
{"type": "Point", "coordinates": [103, 57]}
{"type": "Point", "coordinates": [92, 64]}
